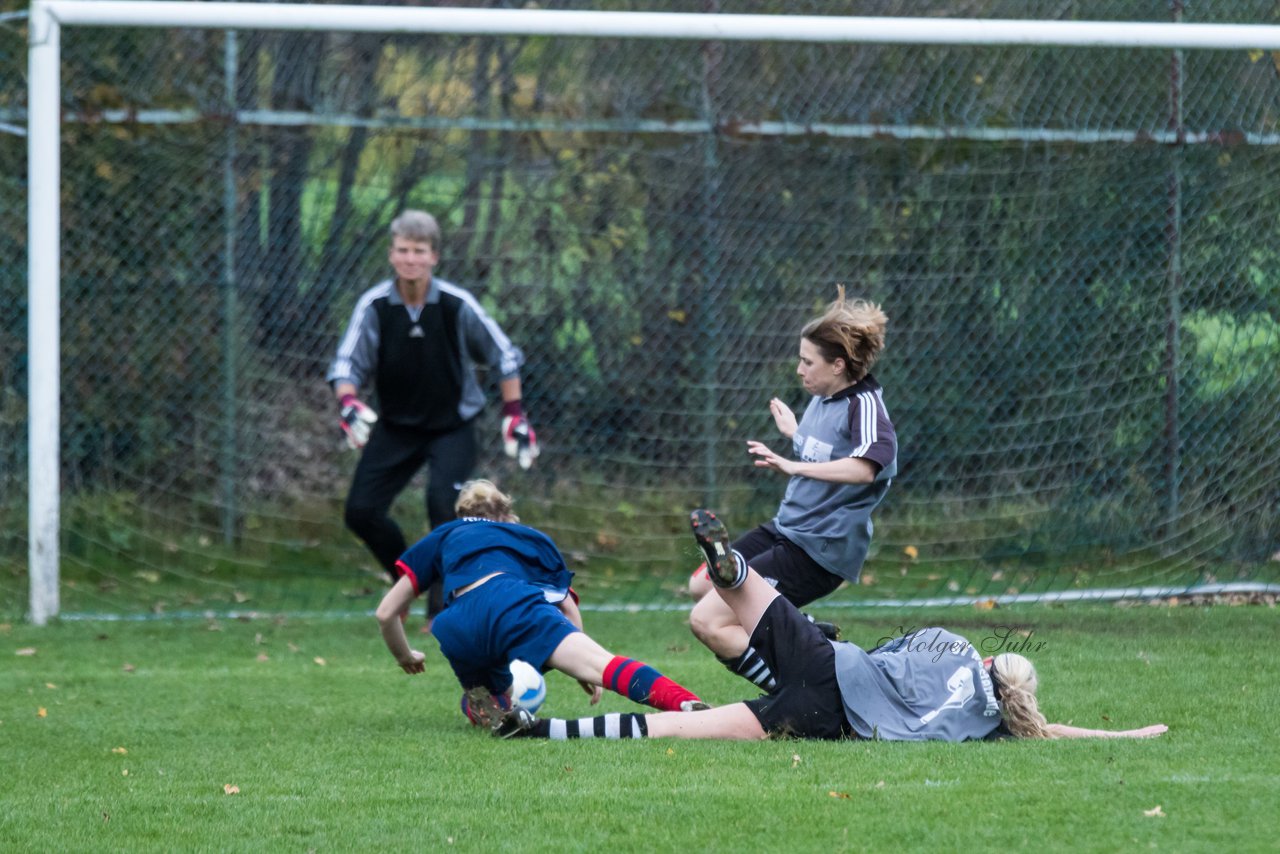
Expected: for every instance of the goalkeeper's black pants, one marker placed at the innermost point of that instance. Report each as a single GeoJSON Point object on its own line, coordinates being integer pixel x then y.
{"type": "Point", "coordinates": [388, 463]}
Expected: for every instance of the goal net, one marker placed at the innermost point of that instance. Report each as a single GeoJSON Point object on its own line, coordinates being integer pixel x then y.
{"type": "Point", "coordinates": [1076, 248]}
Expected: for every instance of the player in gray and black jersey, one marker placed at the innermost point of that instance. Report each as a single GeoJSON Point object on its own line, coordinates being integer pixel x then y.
{"type": "Point", "coordinates": [844, 456]}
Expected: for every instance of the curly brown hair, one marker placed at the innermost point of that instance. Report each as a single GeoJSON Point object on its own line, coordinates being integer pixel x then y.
{"type": "Point", "coordinates": [852, 330]}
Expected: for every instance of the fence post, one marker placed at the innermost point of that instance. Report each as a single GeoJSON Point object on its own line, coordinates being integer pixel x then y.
{"type": "Point", "coordinates": [1173, 284]}
{"type": "Point", "coordinates": [230, 313]}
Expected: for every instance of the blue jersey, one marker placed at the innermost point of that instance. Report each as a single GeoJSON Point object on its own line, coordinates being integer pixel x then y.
{"type": "Point", "coordinates": [465, 550]}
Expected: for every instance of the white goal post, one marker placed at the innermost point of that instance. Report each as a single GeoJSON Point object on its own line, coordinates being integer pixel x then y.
{"type": "Point", "coordinates": [48, 17]}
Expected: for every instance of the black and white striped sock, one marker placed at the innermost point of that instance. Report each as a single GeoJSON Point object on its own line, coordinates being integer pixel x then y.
{"type": "Point", "coordinates": [612, 725]}
{"type": "Point", "coordinates": [750, 666]}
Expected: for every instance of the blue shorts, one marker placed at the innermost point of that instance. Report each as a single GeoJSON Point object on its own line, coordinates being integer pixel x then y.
{"type": "Point", "coordinates": [482, 630]}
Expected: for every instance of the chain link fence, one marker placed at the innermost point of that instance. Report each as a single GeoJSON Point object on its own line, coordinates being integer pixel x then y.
{"type": "Point", "coordinates": [1076, 250]}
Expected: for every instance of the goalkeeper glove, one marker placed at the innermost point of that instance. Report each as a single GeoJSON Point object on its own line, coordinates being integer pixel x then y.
{"type": "Point", "coordinates": [518, 439]}
{"type": "Point", "coordinates": [357, 421]}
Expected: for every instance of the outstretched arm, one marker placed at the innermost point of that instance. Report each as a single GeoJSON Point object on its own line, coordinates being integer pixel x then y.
{"type": "Point", "coordinates": [843, 470]}
{"type": "Point", "coordinates": [391, 612]}
{"type": "Point", "coordinates": [1065, 731]}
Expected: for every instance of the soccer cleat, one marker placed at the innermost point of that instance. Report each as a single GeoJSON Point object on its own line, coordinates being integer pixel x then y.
{"type": "Point", "coordinates": [693, 706]}
{"type": "Point", "coordinates": [713, 538]}
{"type": "Point", "coordinates": [515, 723]}
{"type": "Point", "coordinates": [829, 630]}
{"type": "Point", "coordinates": [482, 708]}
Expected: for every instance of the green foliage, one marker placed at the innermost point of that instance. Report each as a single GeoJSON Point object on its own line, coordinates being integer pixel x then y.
{"type": "Point", "coordinates": [1062, 348]}
{"type": "Point", "coordinates": [325, 742]}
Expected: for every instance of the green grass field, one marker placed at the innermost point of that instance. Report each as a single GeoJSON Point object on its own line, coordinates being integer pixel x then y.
{"type": "Point", "coordinates": [123, 736]}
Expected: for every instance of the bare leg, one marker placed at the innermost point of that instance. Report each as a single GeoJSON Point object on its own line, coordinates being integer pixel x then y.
{"type": "Point", "coordinates": [593, 666]}
{"type": "Point", "coordinates": [748, 601]}
{"type": "Point", "coordinates": [714, 623]}
{"type": "Point", "coordinates": [724, 623]}
{"type": "Point", "coordinates": [728, 722]}
{"type": "Point", "coordinates": [699, 583]}
{"type": "Point", "coordinates": [582, 658]}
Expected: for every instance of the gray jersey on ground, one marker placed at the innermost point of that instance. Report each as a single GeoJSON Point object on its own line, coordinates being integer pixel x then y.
{"type": "Point", "coordinates": [927, 685]}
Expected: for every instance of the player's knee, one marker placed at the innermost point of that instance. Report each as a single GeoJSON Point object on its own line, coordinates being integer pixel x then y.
{"type": "Point", "coordinates": [705, 624]}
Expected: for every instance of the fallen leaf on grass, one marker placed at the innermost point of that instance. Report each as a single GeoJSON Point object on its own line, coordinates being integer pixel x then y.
{"type": "Point", "coordinates": [230, 789]}
{"type": "Point", "coordinates": [124, 773]}
{"type": "Point", "coordinates": [51, 686]}
{"type": "Point", "coordinates": [670, 752]}
{"type": "Point", "coordinates": [911, 552]}
{"type": "Point", "coordinates": [42, 712]}
{"type": "Point", "coordinates": [844, 796]}
{"type": "Point", "coordinates": [128, 668]}
{"type": "Point", "coordinates": [320, 661]}
{"type": "Point", "coordinates": [26, 650]}
{"type": "Point", "coordinates": [119, 750]}
{"type": "Point", "coordinates": [1154, 812]}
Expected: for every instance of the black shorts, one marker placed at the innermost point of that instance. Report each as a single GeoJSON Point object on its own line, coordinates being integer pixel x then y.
{"type": "Point", "coordinates": [785, 565]}
{"type": "Point", "coordinates": [807, 703]}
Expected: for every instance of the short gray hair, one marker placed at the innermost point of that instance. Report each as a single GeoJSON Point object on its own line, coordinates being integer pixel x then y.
{"type": "Point", "coordinates": [417, 225]}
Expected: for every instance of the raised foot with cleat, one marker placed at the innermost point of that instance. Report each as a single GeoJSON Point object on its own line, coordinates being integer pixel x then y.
{"type": "Point", "coordinates": [713, 539]}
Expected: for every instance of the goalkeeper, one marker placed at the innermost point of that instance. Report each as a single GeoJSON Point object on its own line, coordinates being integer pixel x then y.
{"type": "Point", "coordinates": [415, 340]}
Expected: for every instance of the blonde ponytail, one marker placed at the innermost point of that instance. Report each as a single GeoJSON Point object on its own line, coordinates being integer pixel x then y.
{"type": "Point", "coordinates": [1016, 684]}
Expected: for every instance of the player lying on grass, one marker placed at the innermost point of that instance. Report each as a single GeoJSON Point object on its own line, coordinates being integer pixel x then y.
{"type": "Point", "coordinates": [930, 684]}
{"type": "Point", "coordinates": [507, 596]}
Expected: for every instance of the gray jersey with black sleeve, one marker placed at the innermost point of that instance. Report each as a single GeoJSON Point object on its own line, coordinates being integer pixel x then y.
{"type": "Point", "coordinates": [929, 685]}
{"type": "Point", "coordinates": [832, 521]}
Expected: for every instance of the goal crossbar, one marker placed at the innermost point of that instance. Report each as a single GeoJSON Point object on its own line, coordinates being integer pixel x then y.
{"type": "Point", "coordinates": [47, 17]}
{"type": "Point", "coordinates": [663, 25]}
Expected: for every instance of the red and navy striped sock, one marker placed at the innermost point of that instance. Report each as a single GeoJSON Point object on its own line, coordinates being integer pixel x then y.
{"type": "Point", "coordinates": [637, 681]}
{"type": "Point", "coordinates": [613, 725]}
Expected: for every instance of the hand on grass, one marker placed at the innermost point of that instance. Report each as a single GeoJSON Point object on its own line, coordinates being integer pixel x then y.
{"type": "Point", "coordinates": [414, 664]}
{"type": "Point", "coordinates": [593, 691]}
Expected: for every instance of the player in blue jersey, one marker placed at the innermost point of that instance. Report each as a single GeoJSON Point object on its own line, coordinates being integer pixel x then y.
{"type": "Point", "coordinates": [845, 454]}
{"type": "Point", "coordinates": [507, 596]}
{"type": "Point", "coordinates": [928, 685]}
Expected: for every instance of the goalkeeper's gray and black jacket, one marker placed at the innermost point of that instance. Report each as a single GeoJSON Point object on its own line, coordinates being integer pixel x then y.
{"type": "Point", "coordinates": [422, 365]}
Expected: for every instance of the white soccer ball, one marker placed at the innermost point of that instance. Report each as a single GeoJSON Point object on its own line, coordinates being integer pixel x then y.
{"type": "Point", "coordinates": [528, 688]}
